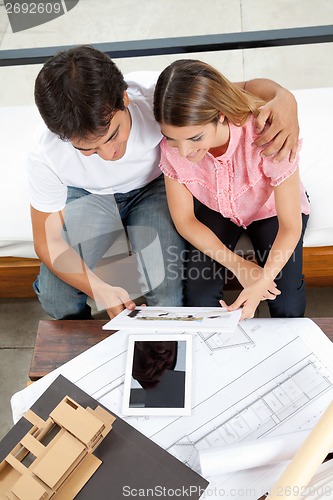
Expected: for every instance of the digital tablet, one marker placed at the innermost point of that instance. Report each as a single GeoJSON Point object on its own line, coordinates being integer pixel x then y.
{"type": "Point", "coordinates": [158, 375]}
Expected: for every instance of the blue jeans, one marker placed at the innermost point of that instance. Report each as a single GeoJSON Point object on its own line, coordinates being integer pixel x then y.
{"type": "Point", "coordinates": [92, 225]}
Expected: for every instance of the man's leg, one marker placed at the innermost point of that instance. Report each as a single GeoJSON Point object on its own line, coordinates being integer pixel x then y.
{"type": "Point", "coordinates": [292, 301]}
{"type": "Point", "coordinates": [205, 278]}
{"type": "Point", "coordinates": [158, 247]}
{"type": "Point", "coordinates": [92, 223]}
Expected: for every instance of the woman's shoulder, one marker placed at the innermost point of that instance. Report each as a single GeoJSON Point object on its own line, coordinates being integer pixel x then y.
{"type": "Point", "coordinates": [248, 128]}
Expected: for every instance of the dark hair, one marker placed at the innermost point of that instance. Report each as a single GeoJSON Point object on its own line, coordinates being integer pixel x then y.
{"type": "Point", "coordinates": [78, 91]}
{"type": "Point", "coordinates": [152, 359]}
{"type": "Point", "coordinates": [191, 92]}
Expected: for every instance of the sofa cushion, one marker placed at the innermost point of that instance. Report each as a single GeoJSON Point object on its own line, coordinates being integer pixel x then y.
{"type": "Point", "coordinates": [17, 127]}
{"type": "Point", "coordinates": [315, 108]}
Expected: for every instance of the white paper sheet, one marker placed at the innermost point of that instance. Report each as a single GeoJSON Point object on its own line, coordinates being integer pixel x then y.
{"type": "Point", "coordinates": [176, 319]}
{"type": "Point", "coordinates": [272, 377]}
{"type": "Point", "coordinates": [250, 454]}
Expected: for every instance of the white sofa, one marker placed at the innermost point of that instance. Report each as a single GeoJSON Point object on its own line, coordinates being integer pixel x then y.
{"type": "Point", "coordinates": [18, 124]}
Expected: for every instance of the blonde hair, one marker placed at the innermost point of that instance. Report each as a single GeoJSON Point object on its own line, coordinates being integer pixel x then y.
{"type": "Point", "coordinates": [191, 92]}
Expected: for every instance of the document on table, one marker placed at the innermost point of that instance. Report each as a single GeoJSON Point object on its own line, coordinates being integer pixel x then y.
{"type": "Point", "coordinates": [176, 319]}
{"type": "Point", "coordinates": [269, 378]}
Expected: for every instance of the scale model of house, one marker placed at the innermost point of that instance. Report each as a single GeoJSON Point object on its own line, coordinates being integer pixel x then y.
{"type": "Point", "coordinates": [54, 459]}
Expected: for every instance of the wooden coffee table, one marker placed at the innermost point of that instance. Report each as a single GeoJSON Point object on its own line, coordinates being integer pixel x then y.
{"type": "Point", "coordinates": [58, 341]}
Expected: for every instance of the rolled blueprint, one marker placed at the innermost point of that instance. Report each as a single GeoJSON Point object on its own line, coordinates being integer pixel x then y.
{"type": "Point", "coordinates": [250, 454]}
{"type": "Point", "coordinates": [298, 473]}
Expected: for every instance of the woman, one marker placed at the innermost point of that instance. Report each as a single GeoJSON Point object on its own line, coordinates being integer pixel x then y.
{"type": "Point", "coordinates": [218, 185]}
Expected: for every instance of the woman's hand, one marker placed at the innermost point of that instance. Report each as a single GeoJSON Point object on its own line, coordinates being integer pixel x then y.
{"type": "Point", "coordinates": [256, 287]}
{"type": "Point", "coordinates": [249, 273]}
{"type": "Point", "coordinates": [250, 298]}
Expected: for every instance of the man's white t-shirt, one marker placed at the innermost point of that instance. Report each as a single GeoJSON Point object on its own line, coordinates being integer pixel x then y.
{"type": "Point", "coordinates": [55, 164]}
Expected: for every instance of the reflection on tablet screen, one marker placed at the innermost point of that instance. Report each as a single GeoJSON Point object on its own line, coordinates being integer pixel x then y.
{"type": "Point", "coordinates": [158, 374]}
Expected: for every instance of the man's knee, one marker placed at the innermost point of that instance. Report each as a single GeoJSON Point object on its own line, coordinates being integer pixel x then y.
{"type": "Point", "coordinates": [59, 300]}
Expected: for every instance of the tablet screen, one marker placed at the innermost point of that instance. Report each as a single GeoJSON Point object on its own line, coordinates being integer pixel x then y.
{"type": "Point", "coordinates": [158, 375]}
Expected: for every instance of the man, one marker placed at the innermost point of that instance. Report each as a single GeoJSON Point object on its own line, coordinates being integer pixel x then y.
{"type": "Point", "coordinates": [94, 172]}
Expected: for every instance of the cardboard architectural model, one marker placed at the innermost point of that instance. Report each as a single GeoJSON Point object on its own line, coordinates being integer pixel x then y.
{"type": "Point", "coordinates": [54, 459]}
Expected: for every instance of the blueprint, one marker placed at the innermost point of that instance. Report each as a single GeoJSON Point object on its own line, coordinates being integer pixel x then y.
{"type": "Point", "coordinates": [270, 378]}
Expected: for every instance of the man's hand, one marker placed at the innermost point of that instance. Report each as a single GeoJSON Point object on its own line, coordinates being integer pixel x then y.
{"type": "Point", "coordinates": [278, 125]}
{"type": "Point", "coordinates": [115, 300]}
